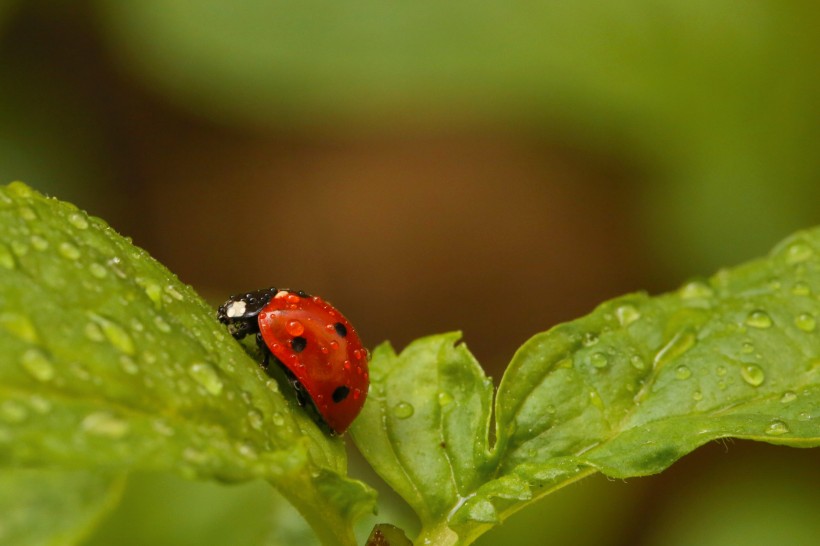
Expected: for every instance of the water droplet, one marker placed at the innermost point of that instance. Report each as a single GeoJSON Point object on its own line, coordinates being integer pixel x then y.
{"type": "Point", "coordinates": [403, 410]}
{"type": "Point", "coordinates": [801, 289]}
{"type": "Point", "coordinates": [798, 252]}
{"type": "Point", "coordinates": [207, 376]}
{"type": "Point", "coordinates": [19, 325]}
{"type": "Point", "coordinates": [37, 364]}
{"type": "Point", "coordinates": [295, 328]}
{"type": "Point", "coordinates": [278, 419]}
{"type": "Point", "coordinates": [627, 314]}
{"type": "Point", "coordinates": [28, 214]}
{"type": "Point", "coordinates": [589, 339]}
{"type": "Point", "coordinates": [116, 266]}
{"type": "Point", "coordinates": [115, 334]}
{"type": "Point", "coordinates": [39, 404]}
{"type": "Point", "coordinates": [162, 427]}
{"type": "Point", "coordinates": [753, 374]}
{"type": "Point", "coordinates": [805, 321]}
{"type": "Point", "coordinates": [695, 290]}
{"type": "Point", "coordinates": [444, 398]}
{"type": "Point", "coordinates": [161, 324]}
{"type": "Point", "coordinates": [19, 189]}
{"type": "Point", "coordinates": [19, 248]}
{"type": "Point", "coordinates": [12, 412]}
{"type": "Point", "coordinates": [637, 362]}
{"type": "Point", "coordinates": [720, 371]}
{"type": "Point", "coordinates": [255, 419]}
{"type": "Point", "coordinates": [759, 319]}
{"type": "Point", "coordinates": [39, 243]}
{"type": "Point", "coordinates": [595, 400]}
{"type": "Point", "coordinates": [599, 360]}
{"type": "Point", "coordinates": [69, 251]}
{"type": "Point", "coordinates": [683, 372]}
{"type": "Point", "coordinates": [102, 423]}
{"type": "Point", "coordinates": [153, 291]}
{"type": "Point", "coordinates": [128, 365]}
{"type": "Point", "coordinates": [722, 385]}
{"type": "Point", "coordinates": [93, 332]}
{"type": "Point", "coordinates": [677, 346]}
{"type": "Point", "coordinates": [803, 416]}
{"type": "Point", "coordinates": [78, 221]}
{"type": "Point", "coordinates": [777, 428]}
{"type": "Point", "coordinates": [6, 257]}
{"type": "Point", "coordinates": [697, 396]}
{"type": "Point", "coordinates": [97, 270]}
{"type": "Point", "coordinates": [173, 293]}
{"type": "Point", "coordinates": [747, 348]}
{"type": "Point", "coordinates": [788, 397]}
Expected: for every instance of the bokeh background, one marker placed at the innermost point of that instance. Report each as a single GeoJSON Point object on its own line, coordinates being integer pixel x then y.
{"type": "Point", "coordinates": [419, 163]}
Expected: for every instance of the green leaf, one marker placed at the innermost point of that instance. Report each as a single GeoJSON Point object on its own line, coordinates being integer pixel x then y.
{"type": "Point", "coordinates": [53, 507]}
{"type": "Point", "coordinates": [109, 361]}
{"type": "Point", "coordinates": [626, 391]}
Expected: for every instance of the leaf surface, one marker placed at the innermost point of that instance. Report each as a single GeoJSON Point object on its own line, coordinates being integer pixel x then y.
{"type": "Point", "coordinates": [109, 361]}
{"type": "Point", "coordinates": [626, 390]}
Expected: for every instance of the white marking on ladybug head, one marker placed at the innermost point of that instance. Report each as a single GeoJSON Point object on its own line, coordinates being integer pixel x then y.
{"type": "Point", "coordinates": [235, 309]}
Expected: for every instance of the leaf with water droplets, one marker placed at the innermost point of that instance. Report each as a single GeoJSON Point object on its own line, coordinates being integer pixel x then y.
{"type": "Point", "coordinates": [108, 360]}
{"type": "Point", "coordinates": [626, 390]}
{"type": "Point", "coordinates": [39, 506]}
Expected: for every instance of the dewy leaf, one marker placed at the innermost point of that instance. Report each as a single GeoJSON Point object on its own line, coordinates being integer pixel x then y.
{"type": "Point", "coordinates": [53, 507]}
{"type": "Point", "coordinates": [109, 361]}
{"type": "Point", "coordinates": [626, 391]}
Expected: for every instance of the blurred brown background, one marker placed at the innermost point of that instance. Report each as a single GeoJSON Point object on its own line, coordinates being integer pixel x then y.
{"type": "Point", "coordinates": [487, 167]}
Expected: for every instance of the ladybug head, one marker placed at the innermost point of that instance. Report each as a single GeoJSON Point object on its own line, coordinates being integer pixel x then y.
{"type": "Point", "coordinates": [240, 312]}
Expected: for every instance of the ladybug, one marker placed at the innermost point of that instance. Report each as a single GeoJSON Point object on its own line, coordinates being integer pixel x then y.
{"type": "Point", "coordinates": [313, 343]}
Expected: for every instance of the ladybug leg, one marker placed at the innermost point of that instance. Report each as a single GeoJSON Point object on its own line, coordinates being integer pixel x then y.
{"type": "Point", "coordinates": [266, 354]}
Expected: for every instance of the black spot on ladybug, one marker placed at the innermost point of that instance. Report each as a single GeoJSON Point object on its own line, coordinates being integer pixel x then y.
{"type": "Point", "coordinates": [298, 344]}
{"type": "Point", "coordinates": [340, 329]}
{"type": "Point", "coordinates": [340, 393]}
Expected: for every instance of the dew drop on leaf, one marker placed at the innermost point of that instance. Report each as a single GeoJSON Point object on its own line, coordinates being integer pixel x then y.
{"type": "Point", "coordinates": [777, 428]}
{"type": "Point", "coordinates": [207, 376]}
{"type": "Point", "coordinates": [805, 321]}
{"type": "Point", "coordinates": [13, 412]}
{"type": "Point", "coordinates": [161, 324]}
{"type": "Point", "coordinates": [627, 314]}
{"type": "Point", "coordinates": [697, 396]}
{"type": "Point", "coordinates": [695, 290]}
{"type": "Point", "coordinates": [93, 332]}
{"type": "Point", "coordinates": [637, 362]}
{"type": "Point", "coordinates": [37, 364]}
{"type": "Point", "coordinates": [403, 410]}
{"type": "Point", "coordinates": [801, 289]}
{"type": "Point", "coordinates": [19, 326]}
{"type": "Point", "coordinates": [752, 374]}
{"type": "Point", "coordinates": [720, 371]}
{"type": "Point", "coordinates": [599, 360]}
{"type": "Point", "coordinates": [683, 372]}
{"type": "Point", "coordinates": [78, 221]}
{"type": "Point", "coordinates": [788, 397]}
{"type": "Point", "coordinates": [803, 416]}
{"type": "Point", "coordinates": [98, 270]}
{"type": "Point", "coordinates": [102, 423]}
{"type": "Point", "coordinates": [115, 334]}
{"type": "Point", "coordinates": [798, 252]}
{"type": "Point", "coordinates": [6, 257]}
{"type": "Point", "coordinates": [278, 419]}
{"type": "Point", "coordinates": [444, 398]}
{"type": "Point", "coordinates": [255, 419]}
{"type": "Point", "coordinates": [759, 319]}
{"type": "Point", "coordinates": [747, 348]}
{"type": "Point", "coordinates": [69, 251]}
{"type": "Point", "coordinates": [39, 243]}
{"type": "Point", "coordinates": [128, 365]}
{"type": "Point", "coordinates": [595, 400]}
{"type": "Point", "coordinates": [589, 339]}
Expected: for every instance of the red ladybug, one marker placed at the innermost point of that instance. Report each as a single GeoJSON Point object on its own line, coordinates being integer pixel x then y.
{"type": "Point", "coordinates": [315, 345]}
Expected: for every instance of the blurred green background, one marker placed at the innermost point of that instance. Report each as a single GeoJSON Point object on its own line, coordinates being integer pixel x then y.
{"type": "Point", "coordinates": [409, 161]}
